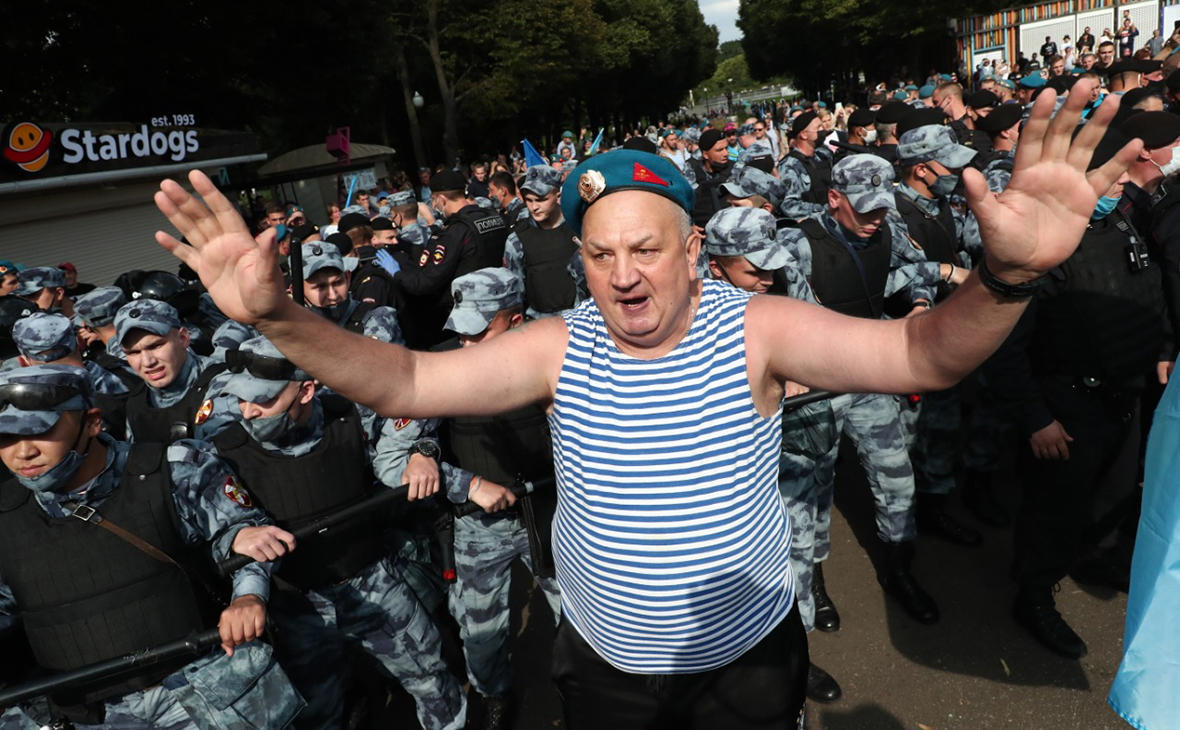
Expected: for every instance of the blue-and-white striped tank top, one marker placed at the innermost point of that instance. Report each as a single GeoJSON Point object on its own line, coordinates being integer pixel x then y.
{"type": "Point", "coordinates": [670, 539]}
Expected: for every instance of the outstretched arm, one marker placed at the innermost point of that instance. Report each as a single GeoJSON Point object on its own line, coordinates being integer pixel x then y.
{"type": "Point", "coordinates": [1034, 225]}
{"type": "Point", "coordinates": [242, 275]}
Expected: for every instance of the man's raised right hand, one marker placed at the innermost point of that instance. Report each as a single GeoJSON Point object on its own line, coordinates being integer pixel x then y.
{"type": "Point", "coordinates": [241, 274]}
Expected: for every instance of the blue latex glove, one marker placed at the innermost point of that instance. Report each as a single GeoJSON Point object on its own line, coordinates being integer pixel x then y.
{"type": "Point", "coordinates": [387, 262]}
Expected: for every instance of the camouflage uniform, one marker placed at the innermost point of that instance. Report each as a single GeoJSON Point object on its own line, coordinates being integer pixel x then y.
{"type": "Point", "coordinates": [806, 469]}
{"type": "Point", "coordinates": [98, 308]}
{"type": "Point", "coordinates": [541, 180]}
{"type": "Point", "coordinates": [379, 324]}
{"type": "Point", "coordinates": [754, 150]}
{"type": "Point", "coordinates": [752, 181]}
{"type": "Point", "coordinates": [516, 211]}
{"type": "Point", "coordinates": [486, 544]}
{"type": "Point", "coordinates": [798, 182]}
{"type": "Point", "coordinates": [934, 426]}
{"type": "Point", "coordinates": [160, 318]}
{"type": "Point", "coordinates": [207, 514]}
{"type": "Point", "coordinates": [229, 336]}
{"type": "Point", "coordinates": [31, 282]}
{"type": "Point", "coordinates": [374, 610]}
{"type": "Point", "coordinates": [47, 338]}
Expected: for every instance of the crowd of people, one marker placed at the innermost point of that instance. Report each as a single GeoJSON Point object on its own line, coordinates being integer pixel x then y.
{"type": "Point", "coordinates": [674, 325]}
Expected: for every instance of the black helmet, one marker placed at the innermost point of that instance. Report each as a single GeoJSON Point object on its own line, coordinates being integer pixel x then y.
{"type": "Point", "coordinates": [164, 286]}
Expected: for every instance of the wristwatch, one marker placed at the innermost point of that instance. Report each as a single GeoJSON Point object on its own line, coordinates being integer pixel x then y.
{"type": "Point", "coordinates": [426, 447]}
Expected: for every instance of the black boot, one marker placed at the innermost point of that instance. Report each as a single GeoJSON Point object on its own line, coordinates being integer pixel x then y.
{"type": "Point", "coordinates": [933, 519]}
{"type": "Point", "coordinates": [497, 712]}
{"type": "Point", "coordinates": [826, 617]}
{"type": "Point", "coordinates": [821, 687]}
{"type": "Point", "coordinates": [1035, 610]}
{"type": "Point", "coordinates": [980, 500]}
{"type": "Point", "coordinates": [899, 582]}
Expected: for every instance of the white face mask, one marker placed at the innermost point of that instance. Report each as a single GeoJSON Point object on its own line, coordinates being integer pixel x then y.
{"type": "Point", "coordinates": [870, 136]}
{"type": "Point", "coordinates": [1172, 166]}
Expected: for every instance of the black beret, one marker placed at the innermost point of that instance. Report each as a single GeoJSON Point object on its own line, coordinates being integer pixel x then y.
{"type": "Point", "coordinates": [892, 112]}
{"type": "Point", "coordinates": [381, 223]}
{"type": "Point", "coordinates": [447, 181]}
{"type": "Point", "coordinates": [352, 220]}
{"type": "Point", "coordinates": [304, 230]}
{"type": "Point", "coordinates": [920, 118]}
{"type": "Point", "coordinates": [799, 123]}
{"type": "Point", "coordinates": [341, 241]}
{"type": "Point", "coordinates": [1000, 119]}
{"type": "Point", "coordinates": [1156, 129]}
{"type": "Point", "coordinates": [862, 118]}
{"type": "Point", "coordinates": [1107, 147]}
{"type": "Point", "coordinates": [709, 138]}
{"type": "Point", "coordinates": [1061, 84]}
{"type": "Point", "coordinates": [643, 144]}
{"type": "Point", "coordinates": [981, 99]}
{"type": "Point", "coordinates": [1134, 96]}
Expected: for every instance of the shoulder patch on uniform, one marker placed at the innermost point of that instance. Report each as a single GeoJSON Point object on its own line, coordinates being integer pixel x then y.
{"type": "Point", "coordinates": [204, 412]}
{"type": "Point", "coordinates": [439, 253]}
{"type": "Point", "coordinates": [423, 258]}
{"type": "Point", "coordinates": [401, 423]}
{"type": "Point", "coordinates": [235, 493]}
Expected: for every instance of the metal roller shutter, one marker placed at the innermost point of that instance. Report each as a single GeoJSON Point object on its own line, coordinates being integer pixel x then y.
{"type": "Point", "coordinates": [101, 243]}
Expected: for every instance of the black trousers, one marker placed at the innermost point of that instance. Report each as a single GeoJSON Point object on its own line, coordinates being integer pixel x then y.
{"type": "Point", "coordinates": [763, 689]}
{"type": "Point", "coordinates": [1057, 508]}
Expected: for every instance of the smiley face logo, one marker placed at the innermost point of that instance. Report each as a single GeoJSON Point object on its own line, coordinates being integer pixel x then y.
{"type": "Point", "coordinates": [28, 146]}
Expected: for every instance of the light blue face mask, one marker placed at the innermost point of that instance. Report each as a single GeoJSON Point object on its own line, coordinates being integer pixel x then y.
{"type": "Point", "coordinates": [56, 476]}
{"type": "Point", "coordinates": [1106, 204]}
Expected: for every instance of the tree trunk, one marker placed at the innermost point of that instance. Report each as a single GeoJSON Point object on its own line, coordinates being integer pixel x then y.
{"type": "Point", "coordinates": [445, 90]}
{"type": "Point", "coordinates": [403, 76]}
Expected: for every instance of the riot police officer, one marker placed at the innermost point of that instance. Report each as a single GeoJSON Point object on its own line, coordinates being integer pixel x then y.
{"type": "Point", "coordinates": [132, 523]}
{"type": "Point", "coordinates": [542, 251]}
{"type": "Point", "coordinates": [176, 398]}
{"type": "Point", "coordinates": [304, 455]}
{"type": "Point", "coordinates": [96, 311]}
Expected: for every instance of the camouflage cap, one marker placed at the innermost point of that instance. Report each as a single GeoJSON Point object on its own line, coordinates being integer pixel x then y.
{"type": "Point", "coordinates": [402, 197]}
{"type": "Point", "coordinates": [866, 180]}
{"type": "Point", "coordinates": [254, 366]}
{"type": "Point", "coordinates": [228, 336]}
{"type": "Point", "coordinates": [485, 203]}
{"type": "Point", "coordinates": [384, 210]}
{"type": "Point", "coordinates": [98, 308]}
{"type": "Point", "coordinates": [32, 281]}
{"type": "Point", "coordinates": [323, 255]}
{"type": "Point", "coordinates": [933, 142]}
{"type": "Point", "coordinates": [752, 181]}
{"type": "Point", "coordinates": [748, 232]}
{"type": "Point", "coordinates": [151, 315]}
{"type": "Point", "coordinates": [479, 296]}
{"type": "Point", "coordinates": [354, 208]}
{"type": "Point", "coordinates": [692, 135]}
{"type": "Point", "coordinates": [540, 180]}
{"type": "Point", "coordinates": [45, 337]}
{"type": "Point", "coordinates": [69, 386]}
{"type": "Point", "coordinates": [413, 234]}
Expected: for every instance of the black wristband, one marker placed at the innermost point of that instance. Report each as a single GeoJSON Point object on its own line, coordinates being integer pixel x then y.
{"type": "Point", "coordinates": [1003, 288]}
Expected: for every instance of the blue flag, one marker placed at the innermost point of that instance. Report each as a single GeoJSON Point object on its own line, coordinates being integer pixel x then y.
{"type": "Point", "coordinates": [1146, 691]}
{"type": "Point", "coordinates": [597, 141]}
{"type": "Point", "coordinates": [531, 156]}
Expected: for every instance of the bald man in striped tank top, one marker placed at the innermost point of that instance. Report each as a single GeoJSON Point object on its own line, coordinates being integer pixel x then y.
{"type": "Point", "coordinates": [663, 394]}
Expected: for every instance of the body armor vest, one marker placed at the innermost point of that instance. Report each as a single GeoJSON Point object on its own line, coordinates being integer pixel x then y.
{"type": "Point", "coordinates": [835, 277]}
{"type": "Point", "coordinates": [298, 489]}
{"type": "Point", "coordinates": [505, 447]}
{"type": "Point", "coordinates": [356, 320]}
{"type": "Point", "coordinates": [149, 423]}
{"type": "Point", "coordinates": [86, 595]}
{"type": "Point", "coordinates": [1106, 321]}
{"type": "Point", "coordinates": [548, 287]}
{"type": "Point", "coordinates": [820, 172]}
{"type": "Point", "coordinates": [489, 233]}
{"type": "Point", "coordinates": [114, 407]}
{"type": "Point", "coordinates": [707, 197]}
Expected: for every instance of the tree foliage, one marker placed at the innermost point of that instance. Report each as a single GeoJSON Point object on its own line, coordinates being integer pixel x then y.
{"type": "Point", "coordinates": [292, 71]}
{"type": "Point", "coordinates": [829, 41]}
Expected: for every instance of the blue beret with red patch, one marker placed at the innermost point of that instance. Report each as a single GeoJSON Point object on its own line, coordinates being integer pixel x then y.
{"type": "Point", "coordinates": [618, 170]}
